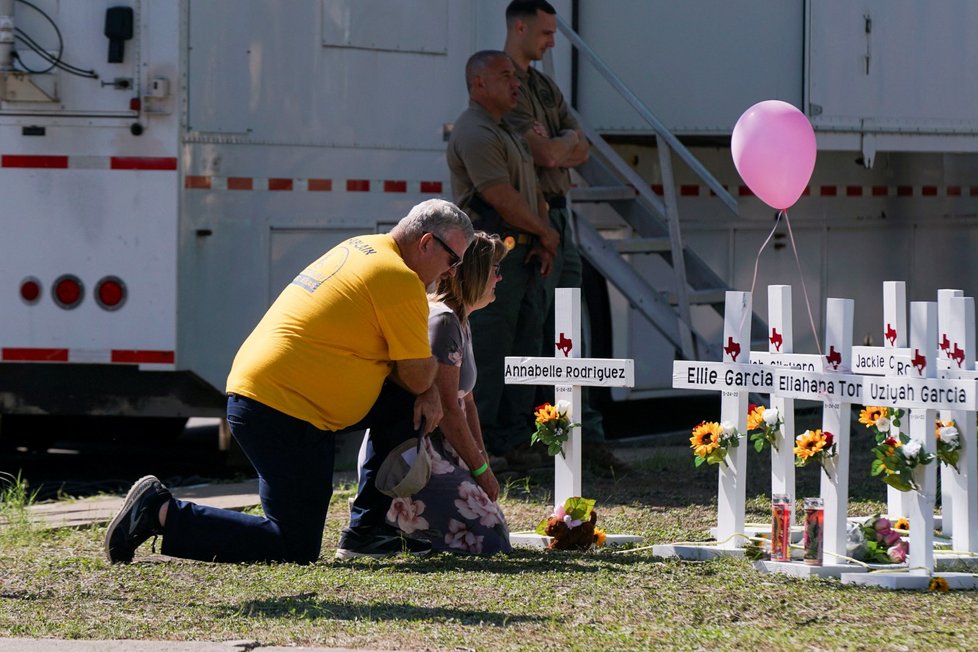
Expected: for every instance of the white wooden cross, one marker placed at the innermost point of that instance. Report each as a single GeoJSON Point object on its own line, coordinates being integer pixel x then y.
{"type": "Point", "coordinates": [781, 353]}
{"type": "Point", "coordinates": [568, 372]}
{"type": "Point", "coordinates": [837, 390]}
{"type": "Point", "coordinates": [735, 378]}
{"type": "Point", "coordinates": [924, 393]}
{"type": "Point", "coordinates": [944, 350]}
{"type": "Point", "coordinates": [962, 485]}
{"type": "Point", "coordinates": [892, 359]}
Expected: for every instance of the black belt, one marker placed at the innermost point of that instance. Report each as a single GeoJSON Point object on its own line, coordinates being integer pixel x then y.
{"type": "Point", "coordinates": [556, 201]}
{"type": "Point", "coordinates": [489, 220]}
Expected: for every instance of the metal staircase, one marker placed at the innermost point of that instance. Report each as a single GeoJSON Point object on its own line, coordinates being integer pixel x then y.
{"type": "Point", "coordinates": [651, 222]}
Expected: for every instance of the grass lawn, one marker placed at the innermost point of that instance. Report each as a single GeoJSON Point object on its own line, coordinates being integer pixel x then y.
{"type": "Point", "coordinates": [56, 584]}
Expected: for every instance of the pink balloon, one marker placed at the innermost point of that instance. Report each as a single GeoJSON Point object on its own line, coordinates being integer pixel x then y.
{"type": "Point", "coordinates": [773, 148]}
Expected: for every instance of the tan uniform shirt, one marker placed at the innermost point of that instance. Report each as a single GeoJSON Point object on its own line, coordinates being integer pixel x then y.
{"type": "Point", "coordinates": [541, 101]}
{"type": "Point", "coordinates": [482, 153]}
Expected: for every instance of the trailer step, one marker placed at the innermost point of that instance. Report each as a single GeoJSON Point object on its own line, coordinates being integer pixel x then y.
{"type": "Point", "coordinates": [711, 297]}
{"type": "Point", "coordinates": [602, 193]}
{"type": "Point", "coordinates": [642, 245]}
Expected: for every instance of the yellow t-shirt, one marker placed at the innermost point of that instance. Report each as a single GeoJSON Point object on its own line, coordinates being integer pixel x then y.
{"type": "Point", "coordinates": [324, 348]}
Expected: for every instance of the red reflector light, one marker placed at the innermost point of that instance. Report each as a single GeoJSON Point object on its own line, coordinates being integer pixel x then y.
{"type": "Point", "coordinates": [135, 104]}
{"type": "Point", "coordinates": [30, 290]}
{"type": "Point", "coordinates": [110, 293]}
{"type": "Point", "coordinates": [68, 291]}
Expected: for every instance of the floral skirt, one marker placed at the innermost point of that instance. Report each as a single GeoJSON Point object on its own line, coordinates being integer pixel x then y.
{"type": "Point", "coordinates": [452, 511]}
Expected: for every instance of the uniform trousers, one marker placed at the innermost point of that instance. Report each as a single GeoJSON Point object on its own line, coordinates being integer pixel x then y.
{"type": "Point", "coordinates": [510, 326]}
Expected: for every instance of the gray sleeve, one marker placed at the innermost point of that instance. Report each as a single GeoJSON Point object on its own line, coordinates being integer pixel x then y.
{"type": "Point", "coordinates": [445, 335]}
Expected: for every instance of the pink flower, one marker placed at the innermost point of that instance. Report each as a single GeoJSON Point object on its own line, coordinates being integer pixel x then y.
{"type": "Point", "coordinates": [473, 503]}
{"type": "Point", "coordinates": [898, 553]}
{"type": "Point", "coordinates": [882, 524]}
{"type": "Point", "coordinates": [460, 538]}
{"type": "Point", "coordinates": [439, 465]}
{"type": "Point", "coordinates": [406, 515]}
{"type": "Point", "coordinates": [890, 537]}
{"type": "Point", "coordinates": [560, 512]}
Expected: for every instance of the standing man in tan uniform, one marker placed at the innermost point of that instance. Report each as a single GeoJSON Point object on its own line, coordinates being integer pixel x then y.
{"type": "Point", "coordinates": [557, 144]}
{"type": "Point", "coordinates": [494, 181]}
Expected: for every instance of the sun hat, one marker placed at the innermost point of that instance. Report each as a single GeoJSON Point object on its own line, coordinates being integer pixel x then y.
{"type": "Point", "coordinates": [406, 469]}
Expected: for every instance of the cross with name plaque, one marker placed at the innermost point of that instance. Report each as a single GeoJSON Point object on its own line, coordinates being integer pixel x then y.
{"type": "Point", "coordinates": [837, 389]}
{"type": "Point", "coordinates": [960, 517]}
{"type": "Point", "coordinates": [891, 359]}
{"type": "Point", "coordinates": [924, 393]}
{"type": "Point", "coordinates": [568, 372]}
{"type": "Point", "coordinates": [734, 377]}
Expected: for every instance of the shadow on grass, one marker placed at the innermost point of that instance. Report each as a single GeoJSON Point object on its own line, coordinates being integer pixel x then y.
{"type": "Point", "coordinates": [521, 560]}
{"type": "Point", "coordinates": [309, 606]}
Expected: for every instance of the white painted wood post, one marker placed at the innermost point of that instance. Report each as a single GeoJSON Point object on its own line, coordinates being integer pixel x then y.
{"type": "Point", "coordinates": [567, 326]}
{"type": "Point", "coordinates": [963, 482]}
{"type": "Point", "coordinates": [836, 419]}
{"type": "Point", "coordinates": [731, 496]}
{"type": "Point", "coordinates": [944, 350]}
{"type": "Point", "coordinates": [895, 336]}
{"type": "Point", "coordinates": [781, 340]}
{"type": "Point", "coordinates": [920, 504]}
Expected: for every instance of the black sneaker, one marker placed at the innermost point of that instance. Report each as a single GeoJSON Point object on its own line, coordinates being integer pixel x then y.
{"type": "Point", "coordinates": [378, 543]}
{"type": "Point", "coordinates": [137, 521]}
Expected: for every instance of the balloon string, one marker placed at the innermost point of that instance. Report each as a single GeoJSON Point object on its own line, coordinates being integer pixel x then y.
{"type": "Point", "coordinates": [757, 262]}
{"type": "Point", "coordinates": [808, 303]}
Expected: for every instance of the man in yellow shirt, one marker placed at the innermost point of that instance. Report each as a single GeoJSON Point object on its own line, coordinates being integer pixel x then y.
{"type": "Point", "coordinates": [344, 347]}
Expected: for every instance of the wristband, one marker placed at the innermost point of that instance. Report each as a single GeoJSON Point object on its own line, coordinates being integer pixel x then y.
{"type": "Point", "coordinates": [479, 471]}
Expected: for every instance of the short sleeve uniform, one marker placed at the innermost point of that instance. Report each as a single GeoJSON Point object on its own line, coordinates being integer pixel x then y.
{"type": "Point", "coordinates": [482, 153]}
{"type": "Point", "coordinates": [540, 100]}
{"type": "Point", "coordinates": [324, 348]}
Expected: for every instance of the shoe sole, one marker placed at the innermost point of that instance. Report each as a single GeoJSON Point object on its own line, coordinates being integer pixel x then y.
{"type": "Point", "coordinates": [134, 491]}
{"type": "Point", "coordinates": [346, 555]}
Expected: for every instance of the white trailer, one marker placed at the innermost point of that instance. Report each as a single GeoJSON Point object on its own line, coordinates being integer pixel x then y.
{"type": "Point", "coordinates": [159, 189]}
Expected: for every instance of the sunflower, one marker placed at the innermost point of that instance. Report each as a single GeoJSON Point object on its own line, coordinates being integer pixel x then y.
{"type": "Point", "coordinates": [706, 438]}
{"type": "Point", "coordinates": [938, 584]}
{"type": "Point", "coordinates": [545, 413]}
{"type": "Point", "coordinates": [755, 418]}
{"type": "Point", "coordinates": [870, 414]}
{"type": "Point", "coordinates": [599, 537]}
{"type": "Point", "coordinates": [809, 443]}
{"type": "Point", "coordinates": [902, 524]}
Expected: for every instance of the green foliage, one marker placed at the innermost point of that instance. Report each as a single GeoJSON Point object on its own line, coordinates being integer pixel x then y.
{"type": "Point", "coordinates": [15, 498]}
{"type": "Point", "coordinates": [554, 427]}
{"type": "Point", "coordinates": [896, 469]}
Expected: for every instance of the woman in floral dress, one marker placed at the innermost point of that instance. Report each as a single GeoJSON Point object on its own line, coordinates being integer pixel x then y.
{"type": "Point", "coordinates": [457, 509]}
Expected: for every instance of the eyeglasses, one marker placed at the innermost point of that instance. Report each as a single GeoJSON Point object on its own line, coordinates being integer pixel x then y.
{"type": "Point", "coordinates": [496, 269]}
{"type": "Point", "coordinates": [456, 259]}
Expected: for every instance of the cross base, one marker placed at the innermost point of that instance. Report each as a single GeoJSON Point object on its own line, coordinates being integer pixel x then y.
{"type": "Point", "coordinates": [692, 552]}
{"type": "Point", "coordinates": [908, 582]}
{"type": "Point", "coordinates": [534, 540]}
{"type": "Point", "coordinates": [801, 569]}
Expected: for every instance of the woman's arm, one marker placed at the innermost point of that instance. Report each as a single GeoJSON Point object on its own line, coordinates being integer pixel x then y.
{"type": "Point", "coordinates": [456, 426]}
